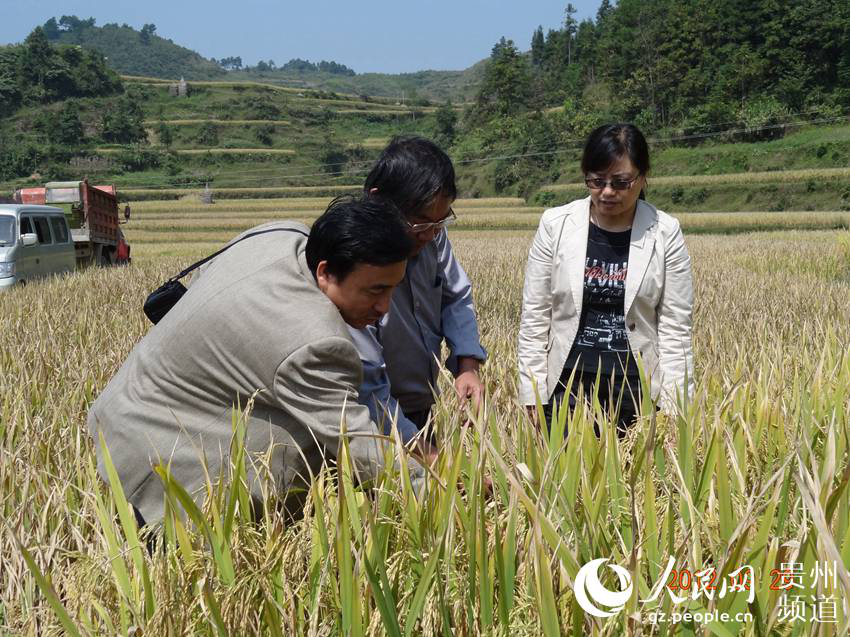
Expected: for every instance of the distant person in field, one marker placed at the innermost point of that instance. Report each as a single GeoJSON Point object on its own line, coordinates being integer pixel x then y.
{"type": "Point", "coordinates": [433, 303]}
{"type": "Point", "coordinates": [268, 318]}
{"type": "Point", "coordinates": [608, 279]}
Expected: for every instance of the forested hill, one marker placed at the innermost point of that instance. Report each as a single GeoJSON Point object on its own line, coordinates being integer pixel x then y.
{"type": "Point", "coordinates": [133, 52]}
{"type": "Point", "coordinates": [680, 62]}
{"type": "Point", "coordinates": [36, 73]}
{"type": "Point", "coordinates": [684, 70]}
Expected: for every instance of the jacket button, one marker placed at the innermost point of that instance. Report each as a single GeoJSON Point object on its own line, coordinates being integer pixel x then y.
{"type": "Point", "coordinates": [632, 326]}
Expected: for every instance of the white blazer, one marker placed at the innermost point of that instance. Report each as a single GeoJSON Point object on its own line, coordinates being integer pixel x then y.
{"type": "Point", "coordinates": [658, 303]}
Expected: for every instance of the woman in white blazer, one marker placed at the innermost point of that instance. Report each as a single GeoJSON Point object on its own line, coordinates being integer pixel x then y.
{"type": "Point", "coordinates": [608, 282]}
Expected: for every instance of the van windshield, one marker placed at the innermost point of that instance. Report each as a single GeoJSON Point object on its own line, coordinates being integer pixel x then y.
{"type": "Point", "coordinates": [7, 230]}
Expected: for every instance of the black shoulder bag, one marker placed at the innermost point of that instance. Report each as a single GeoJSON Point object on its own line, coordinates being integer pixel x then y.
{"type": "Point", "coordinates": [162, 299]}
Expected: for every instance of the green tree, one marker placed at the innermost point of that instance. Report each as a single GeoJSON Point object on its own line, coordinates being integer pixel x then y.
{"type": "Point", "coordinates": [537, 45]}
{"type": "Point", "coordinates": [51, 29]}
{"type": "Point", "coordinates": [207, 134]}
{"type": "Point", "coordinates": [35, 61]}
{"type": "Point", "coordinates": [85, 74]}
{"type": "Point", "coordinates": [232, 63]}
{"type": "Point", "coordinates": [522, 138]}
{"type": "Point", "coordinates": [605, 10]}
{"type": "Point", "coordinates": [570, 28]}
{"type": "Point", "coordinates": [147, 31]}
{"type": "Point", "coordinates": [123, 122]}
{"type": "Point", "coordinates": [10, 94]}
{"type": "Point", "coordinates": [445, 121]}
{"type": "Point", "coordinates": [333, 159]}
{"type": "Point", "coordinates": [261, 107]}
{"type": "Point", "coordinates": [164, 134]}
{"type": "Point", "coordinates": [19, 160]}
{"type": "Point", "coordinates": [506, 86]}
{"type": "Point", "coordinates": [44, 73]}
{"type": "Point", "coordinates": [264, 133]}
{"type": "Point", "coordinates": [67, 129]}
{"type": "Point", "coordinates": [764, 118]}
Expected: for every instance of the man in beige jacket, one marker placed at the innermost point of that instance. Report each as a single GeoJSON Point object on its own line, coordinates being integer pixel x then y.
{"type": "Point", "coordinates": [266, 319]}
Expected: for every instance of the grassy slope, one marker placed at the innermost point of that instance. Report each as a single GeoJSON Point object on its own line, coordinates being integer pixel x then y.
{"type": "Point", "coordinates": [801, 148]}
{"type": "Point", "coordinates": [456, 86]}
{"type": "Point", "coordinates": [781, 174]}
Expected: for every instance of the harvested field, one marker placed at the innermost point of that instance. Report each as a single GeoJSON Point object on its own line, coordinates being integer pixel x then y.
{"type": "Point", "coordinates": [753, 473]}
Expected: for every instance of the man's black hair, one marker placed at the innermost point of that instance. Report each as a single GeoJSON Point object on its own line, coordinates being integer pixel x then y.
{"type": "Point", "coordinates": [411, 172]}
{"type": "Point", "coordinates": [357, 230]}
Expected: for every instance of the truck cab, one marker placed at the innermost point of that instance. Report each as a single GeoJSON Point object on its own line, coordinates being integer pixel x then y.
{"type": "Point", "coordinates": [35, 242]}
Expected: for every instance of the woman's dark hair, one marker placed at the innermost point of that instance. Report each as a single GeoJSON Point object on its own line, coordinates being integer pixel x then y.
{"type": "Point", "coordinates": [411, 172]}
{"type": "Point", "coordinates": [357, 230]}
{"type": "Point", "coordinates": [610, 142]}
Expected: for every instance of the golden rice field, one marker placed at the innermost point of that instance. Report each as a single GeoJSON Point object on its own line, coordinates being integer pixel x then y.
{"type": "Point", "coordinates": [372, 143]}
{"type": "Point", "coordinates": [193, 204]}
{"type": "Point", "coordinates": [187, 195]}
{"type": "Point", "coordinates": [159, 221]}
{"type": "Point", "coordinates": [754, 472]}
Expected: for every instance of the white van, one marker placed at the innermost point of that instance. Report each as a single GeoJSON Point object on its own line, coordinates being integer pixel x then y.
{"type": "Point", "coordinates": [35, 242]}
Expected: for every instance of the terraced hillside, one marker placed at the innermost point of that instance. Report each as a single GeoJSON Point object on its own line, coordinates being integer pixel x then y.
{"type": "Point", "coordinates": [228, 133]}
{"type": "Point", "coordinates": [254, 140]}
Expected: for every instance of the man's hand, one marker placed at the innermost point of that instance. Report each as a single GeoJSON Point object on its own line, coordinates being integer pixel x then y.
{"type": "Point", "coordinates": [467, 383]}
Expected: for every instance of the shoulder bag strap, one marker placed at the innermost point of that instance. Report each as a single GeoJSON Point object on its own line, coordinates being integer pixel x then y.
{"type": "Point", "coordinates": [218, 252]}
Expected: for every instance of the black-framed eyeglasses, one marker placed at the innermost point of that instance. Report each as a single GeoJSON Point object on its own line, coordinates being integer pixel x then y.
{"type": "Point", "coordinates": [448, 220]}
{"type": "Point", "coordinates": [597, 183]}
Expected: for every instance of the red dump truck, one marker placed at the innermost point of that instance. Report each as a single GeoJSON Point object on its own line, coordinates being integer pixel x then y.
{"type": "Point", "coordinates": [92, 214]}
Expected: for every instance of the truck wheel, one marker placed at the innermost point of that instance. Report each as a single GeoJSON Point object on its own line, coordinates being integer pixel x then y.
{"type": "Point", "coordinates": [107, 257]}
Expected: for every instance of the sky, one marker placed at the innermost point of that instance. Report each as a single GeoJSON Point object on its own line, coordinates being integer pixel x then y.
{"type": "Point", "coordinates": [387, 36]}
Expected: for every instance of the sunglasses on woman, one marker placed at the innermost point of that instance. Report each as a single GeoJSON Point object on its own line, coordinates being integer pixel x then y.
{"type": "Point", "coordinates": [597, 183]}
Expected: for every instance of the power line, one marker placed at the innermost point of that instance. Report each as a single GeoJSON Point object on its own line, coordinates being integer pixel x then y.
{"type": "Point", "coordinates": [361, 167]}
{"type": "Point", "coordinates": [576, 144]}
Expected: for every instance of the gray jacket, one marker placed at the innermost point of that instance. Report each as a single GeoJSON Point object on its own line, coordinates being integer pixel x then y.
{"type": "Point", "coordinates": [253, 323]}
{"type": "Point", "coordinates": [433, 302]}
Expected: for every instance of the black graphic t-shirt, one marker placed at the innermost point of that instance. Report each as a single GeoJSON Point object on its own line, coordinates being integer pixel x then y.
{"type": "Point", "coordinates": [602, 343]}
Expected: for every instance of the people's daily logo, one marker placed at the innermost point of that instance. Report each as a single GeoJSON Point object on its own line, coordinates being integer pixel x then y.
{"type": "Point", "coordinates": [700, 591]}
{"type": "Point", "coordinates": [591, 593]}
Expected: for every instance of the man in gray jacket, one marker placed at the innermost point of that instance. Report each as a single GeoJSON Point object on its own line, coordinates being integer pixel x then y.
{"type": "Point", "coordinates": [264, 320]}
{"type": "Point", "coordinates": [400, 354]}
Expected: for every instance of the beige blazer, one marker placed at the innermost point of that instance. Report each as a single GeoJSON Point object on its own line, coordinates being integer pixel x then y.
{"type": "Point", "coordinates": [658, 302]}
{"type": "Point", "coordinates": [253, 322]}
